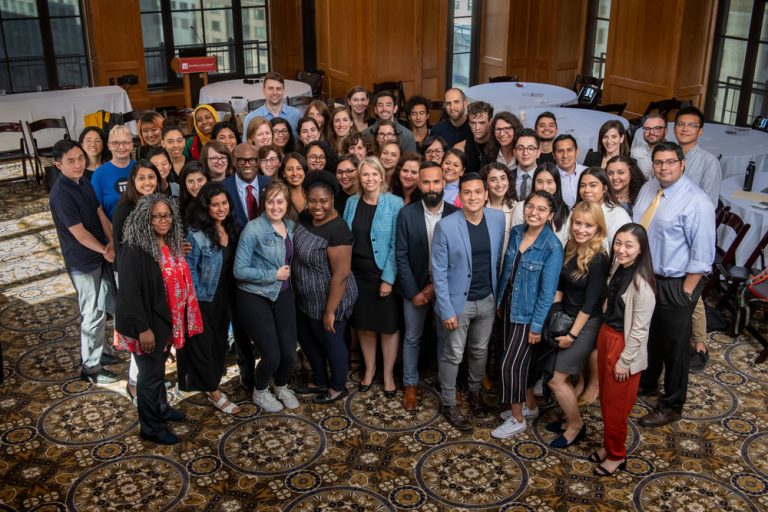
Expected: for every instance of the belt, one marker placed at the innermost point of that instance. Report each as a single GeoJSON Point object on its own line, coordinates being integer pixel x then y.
{"type": "Point", "coordinates": [666, 278]}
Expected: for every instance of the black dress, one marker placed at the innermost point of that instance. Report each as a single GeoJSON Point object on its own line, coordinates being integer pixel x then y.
{"type": "Point", "coordinates": [201, 361]}
{"type": "Point", "coordinates": [371, 311]}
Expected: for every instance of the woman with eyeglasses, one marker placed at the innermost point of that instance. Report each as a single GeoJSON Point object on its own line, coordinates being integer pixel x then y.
{"type": "Point", "coordinates": [292, 171]}
{"type": "Point", "coordinates": [501, 148]}
{"type": "Point", "coordinates": [547, 178]}
{"type": "Point", "coordinates": [269, 159]}
{"type": "Point", "coordinates": [216, 160]}
{"type": "Point", "coordinates": [346, 175]}
{"type": "Point", "coordinates": [433, 149]}
{"type": "Point", "coordinates": [282, 134]}
{"type": "Point", "coordinates": [317, 158]}
{"type": "Point", "coordinates": [386, 132]}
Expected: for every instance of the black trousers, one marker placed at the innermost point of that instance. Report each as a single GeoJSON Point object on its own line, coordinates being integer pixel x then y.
{"type": "Point", "coordinates": [324, 350]}
{"type": "Point", "coordinates": [272, 326]}
{"type": "Point", "coordinates": [246, 357]}
{"type": "Point", "coordinates": [669, 342]}
{"type": "Point", "coordinates": [152, 400]}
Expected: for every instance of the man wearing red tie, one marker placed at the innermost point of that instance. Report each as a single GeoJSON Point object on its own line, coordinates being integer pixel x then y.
{"type": "Point", "coordinates": [245, 189]}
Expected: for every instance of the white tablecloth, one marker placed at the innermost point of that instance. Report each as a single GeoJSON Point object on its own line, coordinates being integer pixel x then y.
{"type": "Point", "coordinates": [72, 104]}
{"type": "Point", "coordinates": [239, 93]}
{"type": "Point", "coordinates": [744, 208]}
{"type": "Point", "coordinates": [736, 145]}
{"type": "Point", "coordinates": [508, 96]}
{"type": "Point", "coordinates": [583, 125]}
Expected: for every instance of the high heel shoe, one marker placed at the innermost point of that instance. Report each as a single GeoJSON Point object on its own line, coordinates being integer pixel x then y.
{"type": "Point", "coordinates": [595, 457]}
{"type": "Point", "coordinates": [562, 441]}
{"type": "Point", "coordinates": [363, 388]}
{"type": "Point", "coordinates": [390, 394]}
{"type": "Point", "coordinates": [601, 471]}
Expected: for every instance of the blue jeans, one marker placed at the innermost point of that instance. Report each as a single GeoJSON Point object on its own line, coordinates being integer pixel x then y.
{"type": "Point", "coordinates": [414, 327]}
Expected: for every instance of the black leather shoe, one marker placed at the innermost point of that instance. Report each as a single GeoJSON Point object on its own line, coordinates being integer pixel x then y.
{"type": "Point", "coordinates": [455, 417]}
{"type": "Point", "coordinates": [309, 390]}
{"type": "Point", "coordinates": [108, 360]}
{"type": "Point", "coordinates": [175, 415]}
{"type": "Point", "coordinates": [647, 392]}
{"type": "Point", "coordinates": [364, 388]}
{"type": "Point", "coordinates": [476, 405]}
{"type": "Point", "coordinates": [659, 417]}
{"type": "Point", "coordinates": [162, 437]}
{"type": "Point", "coordinates": [326, 398]}
{"type": "Point", "coordinates": [390, 394]}
{"type": "Point", "coordinates": [103, 377]}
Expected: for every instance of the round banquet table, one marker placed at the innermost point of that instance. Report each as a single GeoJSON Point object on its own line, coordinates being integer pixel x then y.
{"type": "Point", "coordinates": [748, 211]}
{"type": "Point", "coordinates": [519, 96]}
{"type": "Point", "coordinates": [582, 124]}
{"type": "Point", "coordinates": [239, 94]}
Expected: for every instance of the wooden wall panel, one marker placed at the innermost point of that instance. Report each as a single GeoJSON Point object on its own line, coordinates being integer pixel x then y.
{"type": "Point", "coordinates": [433, 48]}
{"type": "Point", "coordinates": [285, 36]}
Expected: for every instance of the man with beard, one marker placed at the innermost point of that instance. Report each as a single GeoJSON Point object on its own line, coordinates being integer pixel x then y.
{"type": "Point", "coordinates": [654, 131]}
{"type": "Point", "coordinates": [415, 227]}
{"type": "Point", "coordinates": [546, 129]}
{"type": "Point", "coordinates": [456, 127]}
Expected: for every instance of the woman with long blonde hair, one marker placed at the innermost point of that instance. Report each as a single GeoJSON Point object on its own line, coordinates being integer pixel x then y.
{"type": "Point", "coordinates": [580, 295]}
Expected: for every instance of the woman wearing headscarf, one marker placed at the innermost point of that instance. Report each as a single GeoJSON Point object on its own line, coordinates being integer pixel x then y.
{"type": "Point", "coordinates": [204, 118]}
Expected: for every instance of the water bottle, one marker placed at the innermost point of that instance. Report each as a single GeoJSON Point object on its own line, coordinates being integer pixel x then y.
{"type": "Point", "coordinates": [749, 177]}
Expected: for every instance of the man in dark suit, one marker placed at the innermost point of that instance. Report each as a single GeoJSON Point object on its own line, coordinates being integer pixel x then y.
{"type": "Point", "coordinates": [415, 227]}
{"type": "Point", "coordinates": [246, 190]}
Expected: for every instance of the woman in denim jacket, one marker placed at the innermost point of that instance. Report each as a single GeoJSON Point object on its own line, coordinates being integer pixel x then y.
{"type": "Point", "coordinates": [530, 273]}
{"type": "Point", "coordinates": [265, 298]}
{"type": "Point", "coordinates": [213, 238]}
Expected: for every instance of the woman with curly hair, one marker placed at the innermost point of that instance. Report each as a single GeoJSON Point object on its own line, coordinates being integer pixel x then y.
{"type": "Point", "coordinates": [213, 240]}
{"type": "Point", "coordinates": [501, 195]}
{"type": "Point", "coordinates": [156, 306]}
{"type": "Point", "coordinates": [626, 180]}
{"type": "Point", "coordinates": [359, 144]}
{"type": "Point", "coordinates": [580, 295]}
{"type": "Point", "coordinates": [504, 127]}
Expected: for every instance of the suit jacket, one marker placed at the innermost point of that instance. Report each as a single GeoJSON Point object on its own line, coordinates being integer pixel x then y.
{"type": "Point", "coordinates": [412, 248]}
{"type": "Point", "coordinates": [241, 217]}
{"type": "Point", "coordinates": [452, 259]}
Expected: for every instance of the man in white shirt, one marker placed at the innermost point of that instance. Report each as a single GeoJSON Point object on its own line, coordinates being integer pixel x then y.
{"type": "Point", "coordinates": [654, 131]}
{"type": "Point", "coordinates": [566, 152]}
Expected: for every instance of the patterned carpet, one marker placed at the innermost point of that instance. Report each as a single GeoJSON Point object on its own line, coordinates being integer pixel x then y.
{"type": "Point", "coordinates": [68, 445]}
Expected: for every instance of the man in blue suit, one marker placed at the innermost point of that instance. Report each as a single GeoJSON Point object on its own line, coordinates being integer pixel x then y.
{"type": "Point", "coordinates": [466, 254]}
{"type": "Point", "coordinates": [246, 190]}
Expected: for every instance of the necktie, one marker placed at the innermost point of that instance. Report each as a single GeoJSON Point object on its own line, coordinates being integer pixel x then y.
{"type": "Point", "coordinates": [250, 202]}
{"type": "Point", "coordinates": [524, 187]}
{"type": "Point", "coordinates": [651, 211]}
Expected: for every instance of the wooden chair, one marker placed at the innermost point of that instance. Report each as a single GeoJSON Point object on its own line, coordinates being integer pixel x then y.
{"type": "Point", "coordinates": [437, 111]}
{"type": "Point", "coordinates": [314, 79]}
{"type": "Point", "coordinates": [226, 108]}
{"type": "Point", "coordinates": [44, 152]}
{"type": "Point", "coordinates": [725, 257]}
{"type": "Point", "coordinates": [254, 104]}
{"type": "Point", "coordinates": [397, 89]}
{"type": "Point", "coordinates": [612, 108]}
{"type": "Point", "coordinates": [734, 275]}
{"type": "Point", "coordinates": [502, 78]}
{"type": "Point", "coordinates": [14, 155]}
{"type": "Point", "coordinates": [336, 102]}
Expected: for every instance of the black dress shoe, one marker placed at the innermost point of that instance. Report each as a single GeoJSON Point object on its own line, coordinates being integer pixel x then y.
{"type": "Point", "coordinates": [309, 390]}
{"type": "Point", "coordinates": [455, 417]}
{"type": "Point", "coordinates": [163, 437]}
{"type": "Point", "coordinates": [476, 405]}
{"type": "Point", "coordinates": [364, 388]}
{"type": "Point", "coordinates": [326, 397]}
{"type": "Point", "coordinates": [390, 394]}
{"type": "Point", "coordinates": [659, 417]}
{"type": "Point", "coordinates": [175, 415]}
{"type": "Point", "coordinates": [109, 359]}
{"type": "Point", "coordinates": [103, 377]}
{"type": "Point", "coordinates": [647, 392]}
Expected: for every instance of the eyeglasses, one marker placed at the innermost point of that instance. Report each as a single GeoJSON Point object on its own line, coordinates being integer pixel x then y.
{"type": "Point", "coordinates": [121, 143]}
{"type": "Point", "coordinates": [271, 160]}
{"type": "Point", "coordinates": [316, 158]}
{"type": "Point", "coordinates": [681, 124]}
{"type": "Point", "coordinates": [279, 132]}
{"type": "Point", "coordinates": [524, 149]}
{"type": "Point", "coordinates": [434, 152]}
{"type": "Point", "coordinates": [668, 163]}
{"type": "Point", "coordinates": [503, 129]}
{"type": "Point", "coordinates": [166, 217]}
{"type": "Point", "coordinates": [247, 161]}
{"type": "Point", "coordinates": [346, 172]}
{"type": "Point", "coordinates": [387, 136]}
{"type": "Point", "coordinates": [656, 129]}
{"type": "Point", "coordinates": [217, 159]}
{"type": "Point", "coordinates": [541, 209]}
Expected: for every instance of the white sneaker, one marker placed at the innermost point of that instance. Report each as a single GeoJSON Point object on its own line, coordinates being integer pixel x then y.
{"type": "Point", "coordinates": [266, 400]}
{"type": "Point", "coordinates": [509, 428]}
{"type": "Point", "coordinates": [527, 413]}
{"type": "Point", "coordinates": [286, 396]}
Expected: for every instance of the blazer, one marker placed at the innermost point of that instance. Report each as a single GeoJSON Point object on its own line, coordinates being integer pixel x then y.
{"type": "Point", "coordinates": [141, 300]}
{"type": "Point", "coordinates": [412, 248]}
{"type": "Point", "coordinates": [452, 259]}
{"type": "Point", "coordinates": [241, 216]}
{"type": "Point", "coordinates": [383, 231]}
{"type": "Point", "coordinates": [639, 304]}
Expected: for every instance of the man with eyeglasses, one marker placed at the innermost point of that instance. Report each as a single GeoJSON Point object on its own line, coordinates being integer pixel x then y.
{"type": "Point", "coordinates": [455, 128]}
{"type": "Point", "coordinates": [245, 186]}
{"type": "Point", "coordinates": [566, 151]}
{"type": "Point", "coordinates": [681, 233]}
{"type": "Point", "coordinates": [273, 89]}
{"type": "Point", "coordinates": [654, 131]}
{"type": "Point", "coordinates": [480, 114]}
{"type": "Point", "coordinates": [546, 129]}
{"type": "Point", "coordinates": [385, 108]}
{"type": "Point", "coordinates": [109, 180]}
{"type": "Point", "coordinates": [526, 149]}
{"type": "Point", "coordinates": [85, 237]}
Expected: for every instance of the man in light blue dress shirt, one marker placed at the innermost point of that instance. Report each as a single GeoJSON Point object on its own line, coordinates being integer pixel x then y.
{"type": "Point", "coordinates": [680, 221]}
{"type": "Point", "coordinates": [274, 93]}
{"type": "Point", "coordinates": [566, 152]}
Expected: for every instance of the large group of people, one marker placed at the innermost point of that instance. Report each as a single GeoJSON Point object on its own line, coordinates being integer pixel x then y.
{"type": "Point", "coordinates": [337, 229]}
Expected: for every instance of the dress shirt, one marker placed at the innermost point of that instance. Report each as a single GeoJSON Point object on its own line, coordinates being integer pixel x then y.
{"type": "Point", "coordinates": [431, 220]}
{"type": "Point", "coordinates": [682, 232]}
{"type": "Point", "coordinates": [703, 168]}
{"type": "Point", "coordinates": [241, 192]}
{"type": "Point", "coordinates": [569, 183]}
{"type": "Point", "coordinates": [519, 180]}
{"type": "Point", "coordinates": [287, 112]}
{"type": "Point", "coordinates": [642, 155]}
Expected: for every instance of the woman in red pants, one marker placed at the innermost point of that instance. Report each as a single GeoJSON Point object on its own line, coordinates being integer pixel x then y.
{"type": "Point", "coordinates": [622, 342]}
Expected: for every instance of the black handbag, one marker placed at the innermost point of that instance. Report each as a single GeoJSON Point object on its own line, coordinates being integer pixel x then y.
{"type": "Point", "coordinates": [558, 323]}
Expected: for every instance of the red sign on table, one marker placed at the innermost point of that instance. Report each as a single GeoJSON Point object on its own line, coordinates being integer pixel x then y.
{"type": "Point", "coordinates": [197, 64]}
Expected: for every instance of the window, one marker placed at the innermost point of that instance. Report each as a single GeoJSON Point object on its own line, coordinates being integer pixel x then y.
{"type": "Point", "coordinates": [42, 45]}
{"type": "Point", "coordinates": [597, 38]}
{"type": "Point", "coordinates": [738, 85]}
{"type": "Point", "coordinates": [463, 36]}
{"type": "Point", "coordinates": [235, 31]}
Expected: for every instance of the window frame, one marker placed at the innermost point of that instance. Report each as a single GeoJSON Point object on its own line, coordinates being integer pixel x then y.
{"type": "Point", "coordinates": [593, 16]}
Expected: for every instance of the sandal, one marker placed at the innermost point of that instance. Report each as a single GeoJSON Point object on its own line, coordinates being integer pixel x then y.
{"type": "Point", "coordinates": [602, 471]}
{"type": "Point", "coordinates": [224, 405]}
{"type": "Point", "coordinates": [595, 457]}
